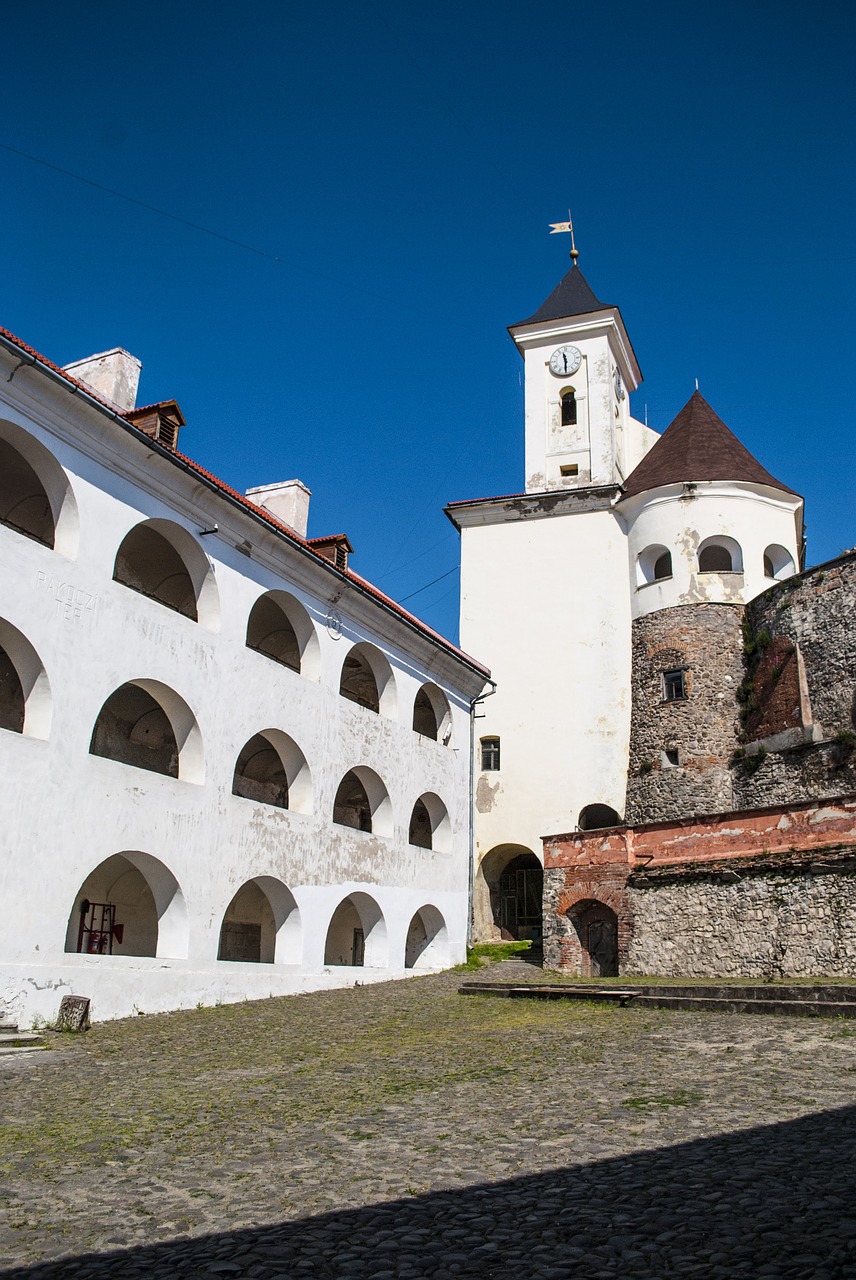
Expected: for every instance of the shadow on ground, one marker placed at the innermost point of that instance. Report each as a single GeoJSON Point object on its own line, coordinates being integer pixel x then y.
{"type": "Point", "coordinates": [776, 1201]}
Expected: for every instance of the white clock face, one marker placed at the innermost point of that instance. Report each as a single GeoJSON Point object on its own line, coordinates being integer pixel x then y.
{"type": "Point", "coordinates": [565, 360]}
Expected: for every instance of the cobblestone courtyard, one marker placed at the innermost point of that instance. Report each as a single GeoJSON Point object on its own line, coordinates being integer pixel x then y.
{"type": "Point", "coordinates": [403, 1131]}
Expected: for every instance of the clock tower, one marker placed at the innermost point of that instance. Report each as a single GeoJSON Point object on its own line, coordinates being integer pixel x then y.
{"type": "Point", "coordinates": [579, 370]}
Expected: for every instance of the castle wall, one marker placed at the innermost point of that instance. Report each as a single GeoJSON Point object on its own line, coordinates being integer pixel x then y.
{"type": "Point", "coordinates": [813, 754]}
{"type": "Point", "coordinates": [787, 922]}
{"type": "Point", "coordinates": [680, 748]}
{"type": "Point", "coordinates": [771, 893]}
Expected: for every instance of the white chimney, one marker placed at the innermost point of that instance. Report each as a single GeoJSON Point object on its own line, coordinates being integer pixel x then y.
{"type": "Point", "coordinates": [113, 375]}
{"type": "Point", "coordinates": [288, 501]}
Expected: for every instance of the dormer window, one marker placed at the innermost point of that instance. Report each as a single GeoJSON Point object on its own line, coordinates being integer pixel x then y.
{"type": "Point", "coordinates": [569, 408]}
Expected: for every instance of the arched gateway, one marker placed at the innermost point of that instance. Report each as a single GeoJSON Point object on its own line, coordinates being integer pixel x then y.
{"type": "Point", "coordinates": [507, 895]}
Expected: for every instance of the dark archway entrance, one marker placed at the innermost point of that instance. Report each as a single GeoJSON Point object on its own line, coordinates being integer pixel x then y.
{"type": "Point", "coordinates": [518, 906]}
{"type": "Point", "coordinates": [596, 926]}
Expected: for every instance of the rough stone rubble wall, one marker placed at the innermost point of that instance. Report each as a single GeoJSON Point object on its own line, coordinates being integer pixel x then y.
{"type": "Point", "coordinates": [765, 926]}
{"type": "Point", "coordinates": [706, 640]}
{"type": "Point", "coordinates": [816, 612]}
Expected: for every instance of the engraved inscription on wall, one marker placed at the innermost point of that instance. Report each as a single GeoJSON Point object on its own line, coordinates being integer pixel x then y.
{"type": "Point", "coordinates": [72, 603]}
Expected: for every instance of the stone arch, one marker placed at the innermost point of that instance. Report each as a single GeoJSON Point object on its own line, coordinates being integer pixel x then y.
{"type": "Point", "coordinates": [272, 769]}
{"type": "Point", "coordinates": [280, 628]}
{"type": "Point", "coordinates": [367, 679]}
{"type": "Point", "coordinates": [261, 925]}
{"type": "Point", "coordinates": [161, 560]}
{"type": "Point", "coordinates": [507, 895]}
{"type": "Point", "coordinates": [654, 564]}
{"type": "Point", "coordinates": [778, 562]}
{"type": "Point", "coordinates": [36, 497]}
{"type": "Point", "coordinates": [362, 801]}
{"type": "Point", "coordinates": [593, 816]}
{"type": "Point", "coordinates": [596, 927]}
{"type": "Point", "coordinates": [720, 554]}
{"type": "Point", "coordinates": [427, 943]}
{"type": "Point", "coordinates": [430, 827]}
{"type": "Point", "coordinates": [357, 935]}
{"type": "Point", "coordinates": [130, 904]}
{"type": "Point", "coordinates": [26, 704]}
{"type": "Point", "coordinates": [432, 716]}
{"type": "Point", "coordinates": [146, 724]}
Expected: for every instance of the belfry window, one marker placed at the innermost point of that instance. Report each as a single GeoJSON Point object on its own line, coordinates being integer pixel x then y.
{"type": "Point", "coordinates": [569, 408]}
{"type": "Point", "coordinates": [674, 685]}
{"type": "Point", "coordinates": [490, 753]}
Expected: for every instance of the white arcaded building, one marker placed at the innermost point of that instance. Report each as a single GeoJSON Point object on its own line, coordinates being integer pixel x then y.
{"type": "Point", "coordinates": [615, 522]}
{"type": "Point", "coordinates": [229, 766]}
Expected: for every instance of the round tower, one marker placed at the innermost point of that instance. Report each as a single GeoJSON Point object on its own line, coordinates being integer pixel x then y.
{"type": "Point", "coordinates": [708, 529]}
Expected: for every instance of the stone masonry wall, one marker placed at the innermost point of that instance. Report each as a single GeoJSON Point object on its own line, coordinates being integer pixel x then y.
{"type": "Point", "coordinates": [701, 730]}
{"type": "Point", "coordinates": [774, 925]}
{"type": "Point", "coordinates": [815, 610]}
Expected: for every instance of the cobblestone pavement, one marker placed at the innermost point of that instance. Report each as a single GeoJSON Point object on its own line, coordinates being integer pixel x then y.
{"type": "Point", "coordinates": [402, 1131]}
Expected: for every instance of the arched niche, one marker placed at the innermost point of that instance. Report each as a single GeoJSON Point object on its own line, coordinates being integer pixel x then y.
{"type": "Point", "coordinates": [507, 895]}
{"type": "Point", "coordinates": [432, 716]}
{"type": "Point", "coordinates": [130, 905]}
{"type": "Point", "coordinates": [357, 935]}
{"type": "Point", "coordinates": [654, 564]}
{"type": "Point", "coordinates": [596, 927]}
{"type": "Point", "coordinates": [362, 802]}
{"type": "Point", "coordinates": [430, 827]}
{"type": "Point", "coordinates": [778, 562]}
{"type": "Point", "coordinates": [367, 679]}
{"type": "Point", "coordinates": [427, 942]}
{"type": "Point", "coordinates": [280, 628]}
{"type": "Point", "coordinates": [25, 693]}
{"type": "Point", "coordinates": [146, 724]}
{"type": "Point", "coordinates": [271, 769]}
{"type": "Point", "coordinates": [36, 497]}
{"type": "Point", "coordinates": [161, 560]}
{"type": "Point", "coordinates": [261, 925]}
{"type": "Point", "coordinates": [594, 816]}
{"type": "Point", "coordinates": [720, 554]}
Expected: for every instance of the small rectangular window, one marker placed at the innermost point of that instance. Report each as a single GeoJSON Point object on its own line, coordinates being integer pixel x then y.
{"type": "Point", "coordinates": [674, 685]}
{"type": "Point", "coordinates": [490, 753]}
{"type": "Point", "coordinates": [570, 469]}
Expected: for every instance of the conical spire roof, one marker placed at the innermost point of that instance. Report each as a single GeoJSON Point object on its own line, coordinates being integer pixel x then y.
{"type": "Point", "coordinates": [697, 445]}
{"type": "Point", "coordinates": [572, 296]}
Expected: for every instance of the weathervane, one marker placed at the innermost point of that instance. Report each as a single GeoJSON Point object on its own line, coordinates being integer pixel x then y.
{"type": "Point", "coordinates": [556, 227]}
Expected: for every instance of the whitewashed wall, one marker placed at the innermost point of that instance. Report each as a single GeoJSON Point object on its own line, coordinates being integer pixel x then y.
{"type": "Point", "coordinates": [681, 518]}
{"type": "Point", "coordinates": [66, 810]}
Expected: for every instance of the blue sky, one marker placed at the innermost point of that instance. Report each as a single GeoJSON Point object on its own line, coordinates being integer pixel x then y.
{"type": "Point", "coordinates": [393, 172]}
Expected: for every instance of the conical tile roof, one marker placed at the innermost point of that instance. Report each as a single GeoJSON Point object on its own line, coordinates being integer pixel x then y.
{"type": "Point", "coordinates": [572, 296]}
{"type": "Point", "coordinates": [697, 445]}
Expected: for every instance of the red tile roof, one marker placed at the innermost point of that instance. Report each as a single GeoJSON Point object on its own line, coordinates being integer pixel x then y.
{"type": "Point", "coordinates": [697, 445]}
{"type": "Point", "coordinates": [259, 513]}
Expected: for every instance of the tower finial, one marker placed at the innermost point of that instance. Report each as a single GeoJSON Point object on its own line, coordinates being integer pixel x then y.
{"type": "Point", "coordinates": [568, 226]}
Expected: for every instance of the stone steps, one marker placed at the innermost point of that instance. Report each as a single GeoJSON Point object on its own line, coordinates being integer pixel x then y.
{"type": "Point", "coordinates": [794, 1001]}
{"type": "Point", "coordinates": [13, 1041]}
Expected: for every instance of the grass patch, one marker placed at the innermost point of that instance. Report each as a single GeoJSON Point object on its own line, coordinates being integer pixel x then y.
{"type": "Point", "coordinates": [490, 952]}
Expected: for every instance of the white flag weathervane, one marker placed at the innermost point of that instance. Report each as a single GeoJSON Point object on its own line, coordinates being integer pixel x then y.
{"type": "Point", "coordinates": [556, 227]}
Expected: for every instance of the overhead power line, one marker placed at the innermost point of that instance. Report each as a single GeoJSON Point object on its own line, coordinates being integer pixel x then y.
{"type": "Point", "coordinates": [429, 584]}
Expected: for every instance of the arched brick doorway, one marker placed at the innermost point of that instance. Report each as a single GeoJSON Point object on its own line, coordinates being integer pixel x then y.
{"type": "Point", "coordinates": [596, 927]}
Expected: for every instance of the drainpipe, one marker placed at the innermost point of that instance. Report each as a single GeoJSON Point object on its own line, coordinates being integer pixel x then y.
{"type": "Point", "coordinates": [472, 871]}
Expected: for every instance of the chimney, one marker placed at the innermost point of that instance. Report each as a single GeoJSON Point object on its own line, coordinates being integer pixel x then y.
{"type": "Point", "coordinates": [288, 501]}
{"type": "Point", "coordinates": [113, 375]}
